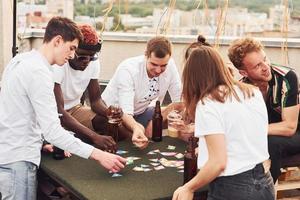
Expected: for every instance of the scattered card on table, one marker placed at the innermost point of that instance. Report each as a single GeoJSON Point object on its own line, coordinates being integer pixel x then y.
{"type": "Point", "coordinates": [120, 152]}
{"type": "Point", "coordinates": [116, 175]}
{"type": "Point", "coordinates": [154, 164]}
{"type": "Point", "coordinates": [154, 160]}
{"type": "Point", "coordinates": [171, 147]}
{"type": "Point", "coordinates": [179, 155]}
{"type": "Point", "coordinates": [129, 162]}
{"type": "Point", "coordinates": [168, 153]}
{"type": "Point", "coordinates": [138, 169]}
{"type": "Point", "coordinates": [133, 158]}
{"type": "Point", "coordinates": [159, 167]}
{"type": "Point", "coordinates": [151, 153]}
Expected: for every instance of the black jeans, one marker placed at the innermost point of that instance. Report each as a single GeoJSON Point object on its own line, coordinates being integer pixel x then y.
{"type": "Point", "coordinates": [253, 184]}
{"type": "Point", "coordinates": [280, 147]}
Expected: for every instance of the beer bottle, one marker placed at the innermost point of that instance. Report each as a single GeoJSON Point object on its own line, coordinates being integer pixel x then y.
{"type": "Point", "coordinates": [113, 121]}
{"type": "Point", "coordinates": [113, 129]}
{"type": "Point", "coordinates": [157, 123]}
{"type": "Point", "coordinates": [58, 154]}
{"type": "Point", "coordinates": [190, 160]}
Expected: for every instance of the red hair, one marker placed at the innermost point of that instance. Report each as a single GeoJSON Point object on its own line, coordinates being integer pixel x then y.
{"type": "Point", "coordinates": [90, 36]}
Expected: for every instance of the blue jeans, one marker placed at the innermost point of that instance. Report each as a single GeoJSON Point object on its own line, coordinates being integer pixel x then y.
{"type": "Point", "coordinates": [145, 117]}
{"type": "Point", "coordinates": [18, 181]}
{"type": "Point", "coordinates": [253, 184]}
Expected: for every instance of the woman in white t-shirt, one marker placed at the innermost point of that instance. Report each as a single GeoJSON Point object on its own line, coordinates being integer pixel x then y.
{"type": "Point", "coordinates": [231, 122]}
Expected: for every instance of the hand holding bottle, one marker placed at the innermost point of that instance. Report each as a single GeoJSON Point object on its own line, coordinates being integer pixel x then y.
{"type": "Point", "coordinates": [114, 114]}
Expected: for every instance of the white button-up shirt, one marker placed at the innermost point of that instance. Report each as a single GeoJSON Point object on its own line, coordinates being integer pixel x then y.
{"type": "Point", "coordinates": [28, 110]}
{"type": "Point", "coordinates": [134, 91]}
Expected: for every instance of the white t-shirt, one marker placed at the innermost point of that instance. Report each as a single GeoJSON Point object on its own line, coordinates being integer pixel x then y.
{"type": "Point", "coordinates": [245, 126]}
{"type": "Point", "coordinates": [74, 82]}
{"type": "Point", "coordinates": [132, 89]}
{"type": "Point", "coordinates": [28, 110]}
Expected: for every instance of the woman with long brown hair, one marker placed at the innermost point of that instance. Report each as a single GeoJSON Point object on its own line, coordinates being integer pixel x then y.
{"type": "Point", "coordinates": [231, 122]}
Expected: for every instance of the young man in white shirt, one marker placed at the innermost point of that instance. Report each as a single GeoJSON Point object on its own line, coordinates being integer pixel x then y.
{"type": "Point", "coordinates": [71, 80]}
{"type": "Point", "coordinates": [28, 110]}
{"type": "Point", "coordinates": [138, 81]}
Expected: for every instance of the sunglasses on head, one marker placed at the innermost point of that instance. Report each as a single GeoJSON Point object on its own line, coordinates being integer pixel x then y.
{"type": "Point", "coordinates": [86, 57]}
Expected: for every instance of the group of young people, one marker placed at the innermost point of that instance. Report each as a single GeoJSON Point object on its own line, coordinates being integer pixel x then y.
{"type": "Point", "coordinates": [240, 124]}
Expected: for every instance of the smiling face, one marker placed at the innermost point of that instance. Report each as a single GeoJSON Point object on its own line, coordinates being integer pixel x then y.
{"type": "Point", "coordinates": [156, 66]}
{"type": "Point", "coordinates": [82, 59]}
{"type": "Point", "coordinates": [256, 67]}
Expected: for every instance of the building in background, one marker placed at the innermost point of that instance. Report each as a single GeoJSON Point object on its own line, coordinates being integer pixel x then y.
{"type": "Point", "coordinates": [61, 8]}
{"type": "Point", "coordinates": [31, 15]}
{"type": "Point", "coordinates": [96, 22]}
{"type": "Point", "coordinates": [239, 21]}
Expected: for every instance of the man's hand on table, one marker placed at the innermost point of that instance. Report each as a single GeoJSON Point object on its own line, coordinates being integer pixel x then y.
{"type": "Point", "coordinates": [112, 162]}
{"type": "Point", "coordinates": [139, 139]}
{"type": "Point", "coordinates": [105, 143]}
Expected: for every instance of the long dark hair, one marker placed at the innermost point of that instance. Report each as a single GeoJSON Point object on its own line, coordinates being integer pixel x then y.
{"type": "Point", "coordinates": [203, 74]}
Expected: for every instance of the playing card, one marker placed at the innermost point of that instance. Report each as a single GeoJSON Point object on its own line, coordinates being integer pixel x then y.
{"type": "Point", "coordinates": [129, 162]}
{"type": "Point", "coordinates": [154, 164]}
{"type": "Point", "coordinates": [171, 147]}
{"type": "Point", "coordinates": [138, 169]}
{"type": "Point", "coordinates": [179, 155]}
{"type": "Point", "coordinates": [120, 152]}
{"type": "Point", "coordinates": [151, 153]}
{"type": "Point", "coordinates": [116, 175]}
{"type": "Point", "coordinates": [156, 150]}
{"type": "Point", "coordinates": [154, 160]}
{"type": "Point", "coordinates": [159, 167]}
{"type": "Point", "coordinates": [168, 153]}
{"type": "Point", "coordinates": [133, 158]}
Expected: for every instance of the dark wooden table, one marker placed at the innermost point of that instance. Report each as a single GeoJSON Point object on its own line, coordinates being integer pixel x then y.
{"type": "Point", "coordinates": [85, 179]}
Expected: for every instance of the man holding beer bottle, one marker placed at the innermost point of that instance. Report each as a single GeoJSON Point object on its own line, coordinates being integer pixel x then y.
{"type": "Point", "coordinates": [71, 80]}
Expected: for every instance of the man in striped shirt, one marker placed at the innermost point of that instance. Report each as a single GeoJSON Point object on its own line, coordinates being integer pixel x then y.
{"type": "Point", "coordinates": [279, 86]}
